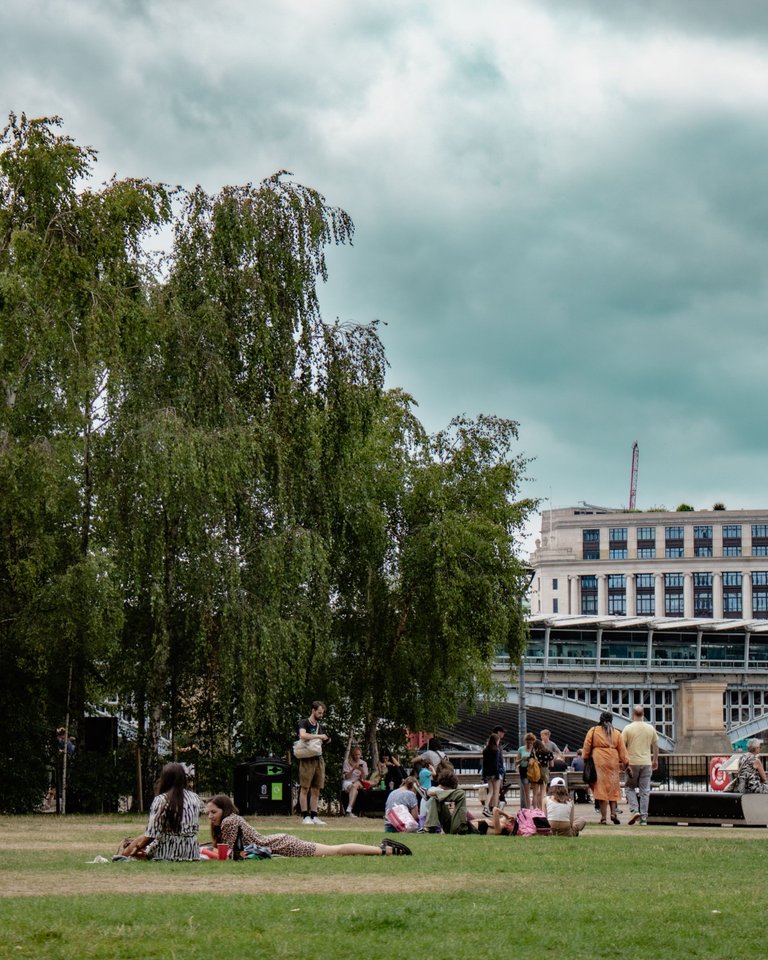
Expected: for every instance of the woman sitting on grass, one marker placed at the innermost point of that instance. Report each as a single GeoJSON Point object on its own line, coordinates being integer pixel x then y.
{"type": "Point", "coordinates": [174, 819]}
{"type": "Point", "coordinates": [558, 807]}
{"type": "Point", "coordinates": [226, 824]}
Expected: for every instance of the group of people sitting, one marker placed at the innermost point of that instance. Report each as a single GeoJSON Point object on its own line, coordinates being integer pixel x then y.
{"type": "Point", "coordinates": [433, 798]}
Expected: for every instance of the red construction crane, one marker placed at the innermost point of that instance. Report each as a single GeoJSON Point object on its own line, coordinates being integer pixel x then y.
{"type": "Point", "coordinates": [633, 477]}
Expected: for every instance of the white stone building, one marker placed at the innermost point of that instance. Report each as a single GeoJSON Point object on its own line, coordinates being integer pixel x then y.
{"type": "Point", "coordinates": [594, 561]}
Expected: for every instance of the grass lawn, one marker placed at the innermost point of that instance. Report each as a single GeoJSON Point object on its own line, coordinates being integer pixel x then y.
{"type": "Point", "coordinates": [614, 892]}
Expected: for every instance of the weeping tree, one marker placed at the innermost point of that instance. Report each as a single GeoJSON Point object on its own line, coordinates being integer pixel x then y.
{"type": "Point", "coordinates": [231, 431]}
{"type": "Point", "coordinates": [70, 280]}
{"type": "Point", "coordinates": [211, 506]}
{"type": "Point", "coordinates": [431, 583]}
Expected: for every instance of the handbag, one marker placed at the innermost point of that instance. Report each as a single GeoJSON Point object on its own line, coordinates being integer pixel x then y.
{"type": "Point", "coordinates": [306, 749]}
{"type": "Point", "coordinates": [401, 819]}
{"type": "Point", "coordinates": [589, 776]}
{"type": "Point", "coordinates": [590, 772]}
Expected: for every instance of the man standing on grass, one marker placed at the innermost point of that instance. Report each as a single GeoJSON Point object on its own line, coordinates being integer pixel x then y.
{"type": "Point", "coordinates": [312, 769]}
{"type": "Point", "coordinates": [642, 743]}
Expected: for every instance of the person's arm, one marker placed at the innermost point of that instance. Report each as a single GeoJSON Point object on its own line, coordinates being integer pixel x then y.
{"type": "Point", "coordinates": [760, 770]}
{"type": "Point", "coordinates": [655, 755]}
{"type": "Point", "coordinates": [136, 845]}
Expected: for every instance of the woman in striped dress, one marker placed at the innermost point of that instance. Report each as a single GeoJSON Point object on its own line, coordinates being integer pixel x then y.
{"type": "Point", "coordinates": [226, 823]}
{"type": "Point", "coordinates": [174, 820]}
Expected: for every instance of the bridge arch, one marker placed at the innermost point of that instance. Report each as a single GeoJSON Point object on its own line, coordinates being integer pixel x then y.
{"type": "Point", "coordinates": [575, 708]}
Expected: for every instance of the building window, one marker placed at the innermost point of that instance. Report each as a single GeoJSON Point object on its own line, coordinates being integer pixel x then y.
{"type": "Point", "coordinates": [645, 594]}
{"type": "Point", "coordinates": [554, 583]}
{"type": "Point", "coordinates": [702, 594]}
{"type": "Point", "coordinates": [732, 540]}
{"type": "Point", "coordinates": [591, 544]}
{"type": "Point", "coordinates": [589, 596]}
{"type": "Point", "coordinates": [673, 541]}
{"type": "Point", "coordinates": [646, 543]}
{"type": "Point", "coordinates": [673, 594]}
{"type": "Point", "coordinates": [555, 605]}
{"type": "Point", "coordinates": [732, 594]}
{"type": "Point", "coordinates": [702, 541]}
{"type": "Point", "coordinates": [617, 594]}
{"type": "Point", "coordinates": [732, 604]}
{"type": "Point", "coordinates": [617, 543]}
{"type": "Point", "coordinates": [760, 595]}
{"type": "Point", "coordinates": [759, 540]}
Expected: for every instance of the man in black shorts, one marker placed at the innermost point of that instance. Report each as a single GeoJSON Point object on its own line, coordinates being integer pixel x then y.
{"type": "Point", "coordinates": [312, 769]}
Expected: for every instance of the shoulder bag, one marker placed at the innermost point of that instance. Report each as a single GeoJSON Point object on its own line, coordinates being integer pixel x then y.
{"type": "Point", "coordinates": [306, 749]}
{"type": "Point", "coordinates": [590, 771]}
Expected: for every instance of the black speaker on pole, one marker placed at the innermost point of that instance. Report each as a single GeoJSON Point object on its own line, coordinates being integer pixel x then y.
{"type": "Point", "coordinates": [100, 734]}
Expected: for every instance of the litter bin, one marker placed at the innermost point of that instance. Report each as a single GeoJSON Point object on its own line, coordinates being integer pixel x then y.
{"type": "Point", "coordinates": [263, 787]}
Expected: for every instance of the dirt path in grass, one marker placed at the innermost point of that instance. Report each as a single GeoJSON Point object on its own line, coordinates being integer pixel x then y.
{"type": "Point", "coordinates": [138, 878]}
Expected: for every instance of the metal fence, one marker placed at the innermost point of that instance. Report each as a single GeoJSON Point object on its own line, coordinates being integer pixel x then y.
{"type": "Point", "coordinates": [676, 771]}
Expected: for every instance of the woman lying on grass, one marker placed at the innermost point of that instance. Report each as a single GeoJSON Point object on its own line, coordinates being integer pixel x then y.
{"type": "Point", "coordinates": [226, 823]}
{"type": "Point", "coordinates": [174, 819]}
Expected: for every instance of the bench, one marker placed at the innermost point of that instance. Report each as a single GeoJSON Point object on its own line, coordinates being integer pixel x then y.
{"type": "Point", "coordinates": [708, 809]}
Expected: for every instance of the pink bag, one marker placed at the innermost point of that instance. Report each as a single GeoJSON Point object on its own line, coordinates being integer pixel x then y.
{"type": "Point", "coordinates": [401, 819]}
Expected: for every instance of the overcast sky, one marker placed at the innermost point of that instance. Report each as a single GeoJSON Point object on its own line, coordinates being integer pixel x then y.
{"type": "Point", "coordinates": [561, 208]}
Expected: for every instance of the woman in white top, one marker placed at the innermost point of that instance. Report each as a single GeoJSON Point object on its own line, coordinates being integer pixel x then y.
{"type": "Point", "coordinates": [354, 771]}
{"type": "Point", "coordinates": [558, 806]}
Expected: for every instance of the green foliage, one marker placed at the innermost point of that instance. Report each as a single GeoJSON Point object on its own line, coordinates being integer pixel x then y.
{"type": "Point", "coordinates": [684, 508]}
{"type": "Point", "coordinates": [214, 510]}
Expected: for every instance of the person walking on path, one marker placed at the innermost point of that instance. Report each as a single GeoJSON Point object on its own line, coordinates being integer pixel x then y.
{"type": "Point", "coordinates": [642, 743]}
{"type": "Point", "coordinates": [312, 769]}
{"type": "Point", "coordinates": [604, 744]}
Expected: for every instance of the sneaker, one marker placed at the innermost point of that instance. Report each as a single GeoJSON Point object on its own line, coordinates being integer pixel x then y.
{"type": "Point", "coordinates": [318, 822]}
{"type": "Point", "coordinates": [307, 821]}
{"type": "Point", "coordinates": [634, 818]}
{"type": "Point", "coordinates": [643, 821]}
{"type": "Point", "coordinates": [350, 814]}
{"type": "Point", "coordinates": [487, 812]}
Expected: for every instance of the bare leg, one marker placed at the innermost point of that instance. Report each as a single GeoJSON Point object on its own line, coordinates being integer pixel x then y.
{"type": "Point", "coordinates": [347, 850]}
{"type": "Point", "coordinates": [303, 791]}
{"type": "Point", "coordinates": [493, 799]}
{"type": "Point", "coordinates": [314, 797]}
{"type": "Point", "coordinates": [603, 810]}
{"type": "Point", "coordinates": [352, 794]}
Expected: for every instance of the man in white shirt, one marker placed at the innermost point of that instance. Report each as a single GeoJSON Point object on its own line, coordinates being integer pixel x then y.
{"type": "Point", "coordinates": [642, 743]}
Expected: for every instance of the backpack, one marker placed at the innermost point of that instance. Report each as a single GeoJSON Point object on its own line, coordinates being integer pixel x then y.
{"type": "Point", "coordinates": [533, 772]}
{"type": "Point", "coordinates": [531, 822]}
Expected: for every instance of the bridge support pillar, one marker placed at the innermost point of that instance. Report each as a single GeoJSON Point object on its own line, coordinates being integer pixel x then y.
{"type": "Point", "coordinates": [700, 718]}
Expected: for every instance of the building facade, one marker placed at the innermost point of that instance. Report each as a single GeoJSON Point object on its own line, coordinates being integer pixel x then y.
{"type": "Point", "coordinates": [592, 561]}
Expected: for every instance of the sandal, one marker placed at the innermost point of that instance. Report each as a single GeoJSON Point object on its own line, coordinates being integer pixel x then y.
{"type": "Point", "coordinates": [604, 823]}
{"type": "Point", "coordinates": [615, 820]}
{"type": "Point", "coordinates": [394, 848]}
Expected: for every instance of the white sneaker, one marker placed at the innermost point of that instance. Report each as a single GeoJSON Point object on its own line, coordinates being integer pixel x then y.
{"type": "Point", "coordinates": [307, 821]}
{"type": "Point", "coordinates": [318, 822]}
{"type": "Point", "coordinates": [350, 814]}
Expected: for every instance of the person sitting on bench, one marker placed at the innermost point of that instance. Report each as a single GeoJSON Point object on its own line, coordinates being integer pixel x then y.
{"type": "Point", "coordinates": [751, 777]}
